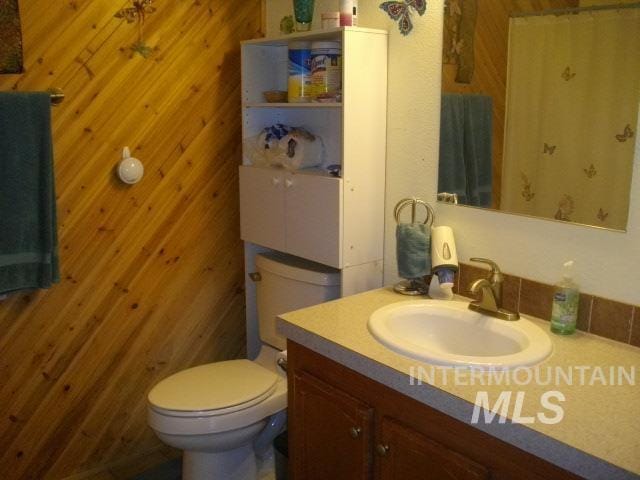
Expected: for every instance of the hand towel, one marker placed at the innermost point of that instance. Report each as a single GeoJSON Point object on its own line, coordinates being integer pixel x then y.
{"type": "Point", "coordinates": [413, 250]}
{"type": "Point", "coordinates": [28, 236]}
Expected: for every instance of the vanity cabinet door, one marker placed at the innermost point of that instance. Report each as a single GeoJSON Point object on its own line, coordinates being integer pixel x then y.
{"type": "Point", "coordinates": [262, 219]}
{"type": "Point", "coordinates": [330, 431]}
{"type": "Point", "coordinates": [405, 454]}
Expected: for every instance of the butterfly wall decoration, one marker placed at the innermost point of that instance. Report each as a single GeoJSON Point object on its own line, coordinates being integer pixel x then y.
{"type": "Point", "coordinates": [628, 133]}
{"type": "Point", "coordinates": [550, 149]}
{"type": "Point", "coordinates": [137, 13]}
{"type": "Point", "coordinates": [400, 11]}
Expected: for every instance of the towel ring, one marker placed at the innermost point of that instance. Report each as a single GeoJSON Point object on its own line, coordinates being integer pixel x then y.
{"type": "Point", "coordinates": [413, 203]}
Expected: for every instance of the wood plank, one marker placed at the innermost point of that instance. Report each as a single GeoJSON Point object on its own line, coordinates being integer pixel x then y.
{"type": "Point", "coordinates": [152, 275]}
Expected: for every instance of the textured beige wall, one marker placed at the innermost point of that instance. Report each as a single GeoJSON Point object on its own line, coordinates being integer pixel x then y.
{"type": "Point", "coordinates": [608, 263]}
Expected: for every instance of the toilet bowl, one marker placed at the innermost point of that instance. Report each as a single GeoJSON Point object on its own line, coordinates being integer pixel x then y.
{"type": "Point", "coordinates": [224, 415]}
{"type": "Point", "coordinates": [221, 415]}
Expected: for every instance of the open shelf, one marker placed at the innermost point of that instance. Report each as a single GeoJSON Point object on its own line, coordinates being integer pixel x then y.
{"type": "Point", "coordinates": [291, 105]}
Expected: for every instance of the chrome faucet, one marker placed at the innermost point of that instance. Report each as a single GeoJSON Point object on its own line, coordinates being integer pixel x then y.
{"type": "Point", "coordinates": [490, 293]}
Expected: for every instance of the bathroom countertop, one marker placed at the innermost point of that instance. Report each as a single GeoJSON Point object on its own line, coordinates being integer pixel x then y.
{"type": "Point", "coordinates": [599, 435]}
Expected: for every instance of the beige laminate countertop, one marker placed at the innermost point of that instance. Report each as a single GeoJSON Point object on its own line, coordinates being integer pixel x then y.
{"type": "Point", "coordinates": [599, 435]}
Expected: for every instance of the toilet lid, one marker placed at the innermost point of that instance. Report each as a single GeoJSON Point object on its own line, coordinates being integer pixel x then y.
{"type": "Point", "coordinates": [213, 386]}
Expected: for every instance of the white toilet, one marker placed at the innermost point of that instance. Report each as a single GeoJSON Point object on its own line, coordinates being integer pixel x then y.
{"type": "Point", "coordinates": [223, 414]}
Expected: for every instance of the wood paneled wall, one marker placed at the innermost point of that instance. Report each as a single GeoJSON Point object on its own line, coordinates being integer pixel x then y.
{"type": "Point", "coordinates": [490, 75]}
{"type": "Point", "coordinates": [152, 275]}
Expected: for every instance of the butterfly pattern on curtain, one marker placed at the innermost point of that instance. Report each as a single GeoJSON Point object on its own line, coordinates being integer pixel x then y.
{"type": "Point", "coordinates": [626, 134]}
{"type": "Point", "coordinates": [400, 11]}
{"type": "Point", "coordinates": [571, 157]}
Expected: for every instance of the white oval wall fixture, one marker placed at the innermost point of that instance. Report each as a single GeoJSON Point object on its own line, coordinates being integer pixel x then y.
{"type": "Point", "coordinates": [130, 169]}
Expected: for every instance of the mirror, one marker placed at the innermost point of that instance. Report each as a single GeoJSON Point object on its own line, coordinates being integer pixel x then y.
{"type": "Point", "coordinates": [540, 107]}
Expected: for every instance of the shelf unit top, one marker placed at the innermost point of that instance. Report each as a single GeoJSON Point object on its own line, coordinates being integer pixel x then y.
{"type": "Point", "coordinates": [313, 35]}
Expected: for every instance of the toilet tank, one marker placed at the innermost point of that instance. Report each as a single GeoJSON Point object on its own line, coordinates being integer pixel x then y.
{"type": "Point", "coordinates": [289, 283]}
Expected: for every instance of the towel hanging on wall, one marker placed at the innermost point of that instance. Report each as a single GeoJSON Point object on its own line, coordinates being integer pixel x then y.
{"type": "Point", "coordinates": [28, 235]}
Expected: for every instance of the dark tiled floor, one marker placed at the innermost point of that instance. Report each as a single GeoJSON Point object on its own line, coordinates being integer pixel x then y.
{"type": "Point", "coordinates": [167, 471]}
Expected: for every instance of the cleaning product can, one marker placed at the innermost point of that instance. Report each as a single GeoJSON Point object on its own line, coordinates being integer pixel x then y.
{"type": "Point", "coordinates": [326, 70]}
{"type": "Point", "coordinates": [566, 298]}
{"type": "Point", "coordinates": [300, 88]}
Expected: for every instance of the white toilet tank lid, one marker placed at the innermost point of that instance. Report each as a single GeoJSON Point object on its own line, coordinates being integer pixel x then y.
{"type": "Point", "coordinates": [213, 386]}
{"type": "Point", "coordinates": [297, 268]}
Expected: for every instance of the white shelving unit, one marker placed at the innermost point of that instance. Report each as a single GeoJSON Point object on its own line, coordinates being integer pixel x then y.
{"type": "Point", "coordinates": [308, 213]}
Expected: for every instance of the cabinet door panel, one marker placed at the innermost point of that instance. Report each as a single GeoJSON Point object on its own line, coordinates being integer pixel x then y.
{"type": "Point", "coordinates": [262, 207]}
{"type": "Point", "coordinates": [412, 456]}
{"type": "Point", "coordinates": [331, 432]}
{"type": "Point", "coordinates": [314, 214]}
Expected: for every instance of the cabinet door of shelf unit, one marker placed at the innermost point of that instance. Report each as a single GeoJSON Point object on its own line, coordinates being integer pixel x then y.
{"type": "Point", "coordinates": [405, 454]}
{"type": "Point", "coordinates": [262, 216]}
{"type": "Point", "coordinates": [331, 432]}
{"type": "Point", "coordinates": [314, 218]}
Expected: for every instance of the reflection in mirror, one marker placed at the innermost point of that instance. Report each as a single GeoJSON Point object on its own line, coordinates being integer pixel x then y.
{"type": "Point", "coordinates": [540, 106]}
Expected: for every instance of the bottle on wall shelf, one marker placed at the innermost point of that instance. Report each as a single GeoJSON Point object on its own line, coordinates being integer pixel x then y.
{"type": "Point", "coordinates": [566, 297]}
{"type": "Point", "coordinates": [346, 13]}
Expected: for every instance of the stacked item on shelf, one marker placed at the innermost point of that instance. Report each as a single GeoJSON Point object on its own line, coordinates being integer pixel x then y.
{"type": "Point", "coordinates": [292, 148]}
{"type": "Point", "coordinates": [315, 72]}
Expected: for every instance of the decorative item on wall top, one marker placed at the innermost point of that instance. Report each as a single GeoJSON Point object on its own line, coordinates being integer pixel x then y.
{"type": "Point", "coordinates": [10, 37]}
{"type": "Point", "coordinates": [459, 34]}
{"type": "Point", "coordinates": [303, 13]}
{"type": "Point", "coordinates": [137, 13]}
{"type": "Point", "coordinates": [400, 11]}
{"type": "Point", "coordinates": [287, 25]}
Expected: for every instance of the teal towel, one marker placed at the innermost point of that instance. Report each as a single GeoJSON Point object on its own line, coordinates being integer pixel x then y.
{"type": "Point", "coordinates": [466, 163]}
{"type": "Point", "coordinates": [28, 237]}
{"type": "Point", "coordinates": [413, 250]}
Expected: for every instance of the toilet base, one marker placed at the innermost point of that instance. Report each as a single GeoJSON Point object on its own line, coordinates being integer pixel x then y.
{"type": "Point", "coordinates": [236, 464]}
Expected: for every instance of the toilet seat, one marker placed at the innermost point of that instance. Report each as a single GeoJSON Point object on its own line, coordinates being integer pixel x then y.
{"type": "Point", "coordinates": [216, 397]}
{"type": "Point", "coordinates": [221, 387]}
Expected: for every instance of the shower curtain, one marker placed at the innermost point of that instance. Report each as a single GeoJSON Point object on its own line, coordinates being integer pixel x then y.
{"type": "Point", "coordinates": [572, 108]}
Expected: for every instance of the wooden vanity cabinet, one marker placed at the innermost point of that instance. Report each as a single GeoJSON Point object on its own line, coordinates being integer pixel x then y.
{"type": "Point", "coordinates": [408, 455]}
{"type": "Point", "coordinates": [334, 431]}
{"type": "Point", "coordinates": [345, 426]}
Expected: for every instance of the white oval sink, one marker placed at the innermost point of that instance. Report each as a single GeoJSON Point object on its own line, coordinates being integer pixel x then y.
{"type": "Point", "coordinates": [448, 333]}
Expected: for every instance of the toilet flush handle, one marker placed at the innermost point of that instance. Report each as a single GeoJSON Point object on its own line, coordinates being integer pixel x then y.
{"type": "Point", "coordinates": [255, 276]}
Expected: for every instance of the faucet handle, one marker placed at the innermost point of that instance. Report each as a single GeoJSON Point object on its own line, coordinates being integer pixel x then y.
{"type": "Point", "coordinates": [496, 273]}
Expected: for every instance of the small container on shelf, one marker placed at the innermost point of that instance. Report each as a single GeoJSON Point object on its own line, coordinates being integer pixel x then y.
{"type": "Point", "coordinates": [275, 96]}
{"type": "Point", "coordinates": [330, 20]}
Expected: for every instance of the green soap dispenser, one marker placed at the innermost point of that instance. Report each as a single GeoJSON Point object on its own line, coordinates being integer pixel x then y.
{"type": "Point", "coordinates": [566, 297]}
